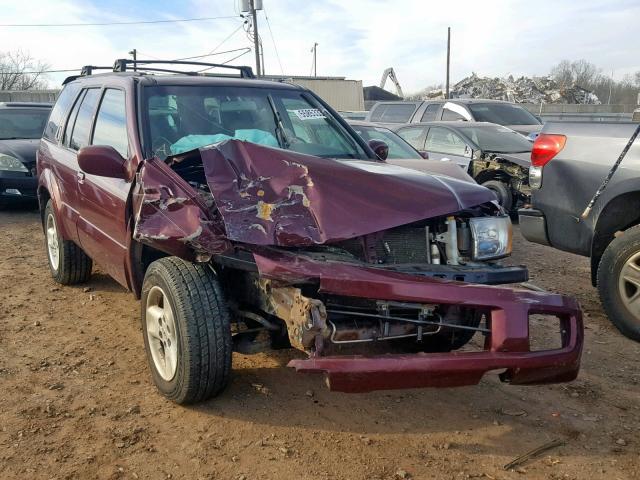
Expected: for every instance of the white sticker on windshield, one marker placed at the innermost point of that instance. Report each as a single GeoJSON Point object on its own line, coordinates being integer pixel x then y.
{"type": "Point", "coordinates": [308, 113]}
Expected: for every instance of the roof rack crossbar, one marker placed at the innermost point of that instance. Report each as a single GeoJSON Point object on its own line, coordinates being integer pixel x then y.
{"type": "Point", "coordinates": [121, 65]}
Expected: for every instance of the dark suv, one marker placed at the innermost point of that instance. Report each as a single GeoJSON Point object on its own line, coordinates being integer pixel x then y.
{"type": "Point", "coordinates": [21, 126]}
{"type": "Point", "coordinates": [248, 215]}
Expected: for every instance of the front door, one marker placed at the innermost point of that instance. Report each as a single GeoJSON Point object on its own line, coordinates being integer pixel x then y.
{"type": "Point", "coordinates": [102, 222]}
{"type": "Point", "coordinates": [446, 145]}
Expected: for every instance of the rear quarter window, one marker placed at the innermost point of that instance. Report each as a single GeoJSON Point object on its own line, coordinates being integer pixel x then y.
{"type": "Point", "coordinates": [60, 109]}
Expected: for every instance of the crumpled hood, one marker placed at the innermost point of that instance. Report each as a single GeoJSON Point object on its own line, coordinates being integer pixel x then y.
{"type": "Point", "coordinates": [270, 196]}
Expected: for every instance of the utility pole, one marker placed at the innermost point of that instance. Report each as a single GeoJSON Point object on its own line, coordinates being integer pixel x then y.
{"type": "Point", "coordinates": [134, 52]}
{"type": "Point", "coordinates": [256, 40]}
{"type": "Point", "coordinates": [448, 59]}
{"type": "Point", "coordinates": [314, 49]}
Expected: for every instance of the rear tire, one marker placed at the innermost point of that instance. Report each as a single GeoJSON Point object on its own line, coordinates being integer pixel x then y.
{"type": "Point", "coordinates": [502, 191]}
{"type": "Point", "coordinates": [619, 282]}
{"type": "Point", "coordinates": [67, 261]}
{"type": "Point", "coordinates": [186, 330]}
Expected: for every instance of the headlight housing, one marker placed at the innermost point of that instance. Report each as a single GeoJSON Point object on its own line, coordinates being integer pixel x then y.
{"type": "Point", "coordinates": [491, 237]}
{"type": "Point", "coordinates": [11, 164]}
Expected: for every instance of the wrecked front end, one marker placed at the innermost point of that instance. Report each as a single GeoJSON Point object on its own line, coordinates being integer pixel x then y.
{"type": "Point", "coordinates": [359, 264]}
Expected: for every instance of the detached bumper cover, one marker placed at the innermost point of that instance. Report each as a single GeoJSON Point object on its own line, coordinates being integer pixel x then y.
{"type": "Point", "coordinates": [506, 347]}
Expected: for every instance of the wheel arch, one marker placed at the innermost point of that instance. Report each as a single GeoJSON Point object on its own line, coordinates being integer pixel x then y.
{"type": "Point", "coordinates": [619, 214]}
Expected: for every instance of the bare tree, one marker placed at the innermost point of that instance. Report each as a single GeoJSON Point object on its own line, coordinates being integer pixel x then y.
{"type": "Point", "coordinates": [20, 71]}
{"type": "Point", "coordinates": [577, 72]}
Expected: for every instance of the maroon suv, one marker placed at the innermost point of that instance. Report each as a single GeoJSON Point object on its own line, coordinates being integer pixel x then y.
{"type": "Point", "coordinates": [247, 215]}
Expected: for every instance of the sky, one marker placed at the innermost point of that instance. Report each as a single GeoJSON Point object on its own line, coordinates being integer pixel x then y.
{"type": "Point", "coordinates": [357, 39]}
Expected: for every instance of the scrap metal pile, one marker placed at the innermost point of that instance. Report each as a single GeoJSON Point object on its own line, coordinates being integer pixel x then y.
{"type": "Point", "coordinates": [520, 90]}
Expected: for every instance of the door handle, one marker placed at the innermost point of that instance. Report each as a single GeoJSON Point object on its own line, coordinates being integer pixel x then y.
{"type": "Point", "coordinates": [80, 176]}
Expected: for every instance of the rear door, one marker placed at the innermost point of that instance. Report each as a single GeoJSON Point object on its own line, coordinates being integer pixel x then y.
{"type": "Point", "coordinates": [55, 156]}
{"type": "Point", "coordinates": [444, 144]}
{"type": "Point", "coordinates": [102, 224]}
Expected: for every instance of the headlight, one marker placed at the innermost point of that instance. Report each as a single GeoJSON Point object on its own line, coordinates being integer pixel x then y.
{"type": "Point", "coordinates": [491, 237]}
{"type": "Point", "coordinates": [11, 164]}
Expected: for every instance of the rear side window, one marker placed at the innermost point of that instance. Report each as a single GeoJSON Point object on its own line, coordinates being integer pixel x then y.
{"type": "Point", "coordinates": [450, 115]}
{"type": "Point", "coordinates": [414, 136]}
{"type": "Point", "coordinates": [82, 126]}
{"type": "Point", "coordinates": [430, 112]}
{"type": "Point", "coordinates": [60, 109]}
{"type": "Point", "coordinates": [393, 112]}
{"type": "Point", "coordinates": [111, 122]}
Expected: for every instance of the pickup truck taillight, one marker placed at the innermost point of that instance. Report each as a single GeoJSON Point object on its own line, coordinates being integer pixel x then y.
{"type": "Point", "coordinates": [545, 147]}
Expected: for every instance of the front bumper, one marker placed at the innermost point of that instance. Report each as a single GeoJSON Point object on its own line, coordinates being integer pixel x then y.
{"type": "Point", "coordinates": [533, 225]}
{"type": "Point", "coordinates": [16, 186]}
{"type": "Point", "coordinates": [506, 348]}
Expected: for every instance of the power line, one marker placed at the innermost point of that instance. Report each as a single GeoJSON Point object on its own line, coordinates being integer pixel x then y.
{"type": "Point", "coordinates": [273, 40]}
{"type": "Point", "coordinates": [104, 24]}
{"type": "Point", "coordinates": [216, 53]}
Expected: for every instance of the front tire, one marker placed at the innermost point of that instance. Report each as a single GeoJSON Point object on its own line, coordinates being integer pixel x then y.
{"type": "Point", "coordinates": [502, 191]}
{"type": "Point", "coordinates": [186, 330]}
{"type": "Point", "coordinates": [67, 262]}
{"type": "Point", "coordinates": [619, 282]}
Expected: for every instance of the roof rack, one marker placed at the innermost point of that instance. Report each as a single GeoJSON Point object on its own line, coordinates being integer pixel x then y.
{"type": "Point", "coordinates": [122, 64]}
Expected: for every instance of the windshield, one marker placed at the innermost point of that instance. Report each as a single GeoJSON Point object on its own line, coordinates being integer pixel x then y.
{"type": "Point", "coordinates": [494, 138]}
{"type": "Point", "coordinates": [182, 118]}
{"type": "Point", "coordinates": [502, 114]}
{"type": "Point", "coordinates": [22, 123]}
{"type": "Point", "coordinates": [398, 147]}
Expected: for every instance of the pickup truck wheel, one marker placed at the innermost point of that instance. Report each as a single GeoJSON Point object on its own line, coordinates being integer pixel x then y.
{"type": "Point", "coordinates": [186, 330]}
{"type": "Point", "coordinates": [619, 282]}
{"type": "Point", "coordinates": [502, 191]}
{"type": "Point", "coordinates": [67, 261]}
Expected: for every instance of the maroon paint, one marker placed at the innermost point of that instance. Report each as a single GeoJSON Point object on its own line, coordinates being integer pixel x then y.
{"type": "Point", "coordinates": [319, 200]}
{"type": "Point", "coordinates": [171, 217]}
{"type": "Point", "coordinates": [507, 348]}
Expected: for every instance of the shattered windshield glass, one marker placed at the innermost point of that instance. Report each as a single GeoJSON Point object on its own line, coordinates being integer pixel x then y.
{"type": "Point", "coordinates": [182, 118]}
{"type": "Point", "coordinates": [22, 123]}
{"type": "Point", "coordinates": [502, 114]}
{"type": "Point", "coordinates": [398, 147]}
{"type": "Point", "coordinates": [497, 139]}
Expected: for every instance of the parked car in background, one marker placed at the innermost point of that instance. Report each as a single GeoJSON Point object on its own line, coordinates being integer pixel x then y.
{"type": "Point", "coordinates": [401, 153]}
{"type": "Point", "coordinates": [504, 113]}
{"type": "Point", "coordinates": [569, 162]}
{"type": "Point", "coordinates": [21, 126]}
{"type": "Point", "coordinates": [249, 215]}
{"type": "Point", "coordinates": [398, 146]}
{"type": "Point", "coordinates": [495, 156]}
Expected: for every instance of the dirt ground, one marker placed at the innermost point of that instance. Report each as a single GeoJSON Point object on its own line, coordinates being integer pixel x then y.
{"type": "Point", "coordinates": [77, 402]}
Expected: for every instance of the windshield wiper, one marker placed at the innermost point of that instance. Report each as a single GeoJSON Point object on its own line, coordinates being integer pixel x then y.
{"type": "Point", "coordinates": [280, 132]}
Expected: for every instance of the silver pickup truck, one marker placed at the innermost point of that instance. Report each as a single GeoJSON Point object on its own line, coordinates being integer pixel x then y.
{"type": "Point", "coordinates": [569, 163]}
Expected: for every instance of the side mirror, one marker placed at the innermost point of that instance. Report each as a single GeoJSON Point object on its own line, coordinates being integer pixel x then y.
{"type": "Point", "coordinates": [380, 148]}
{"type": "Point", "coordinates": [102, 160]}
{"type": "Point", "coordinates": [468, 151]}
{"type": "Point", "coordinates": [424, 154]}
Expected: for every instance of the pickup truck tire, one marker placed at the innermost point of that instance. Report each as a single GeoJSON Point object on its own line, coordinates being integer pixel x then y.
{"type": "Point", "coordinates": [67, 261]}
{"type": "Point", "coordinates": [502, 191]}
{"type": "Point", "coordinates": [186, 330]}
{"type": "Point", "coordinates": [619, 282]}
